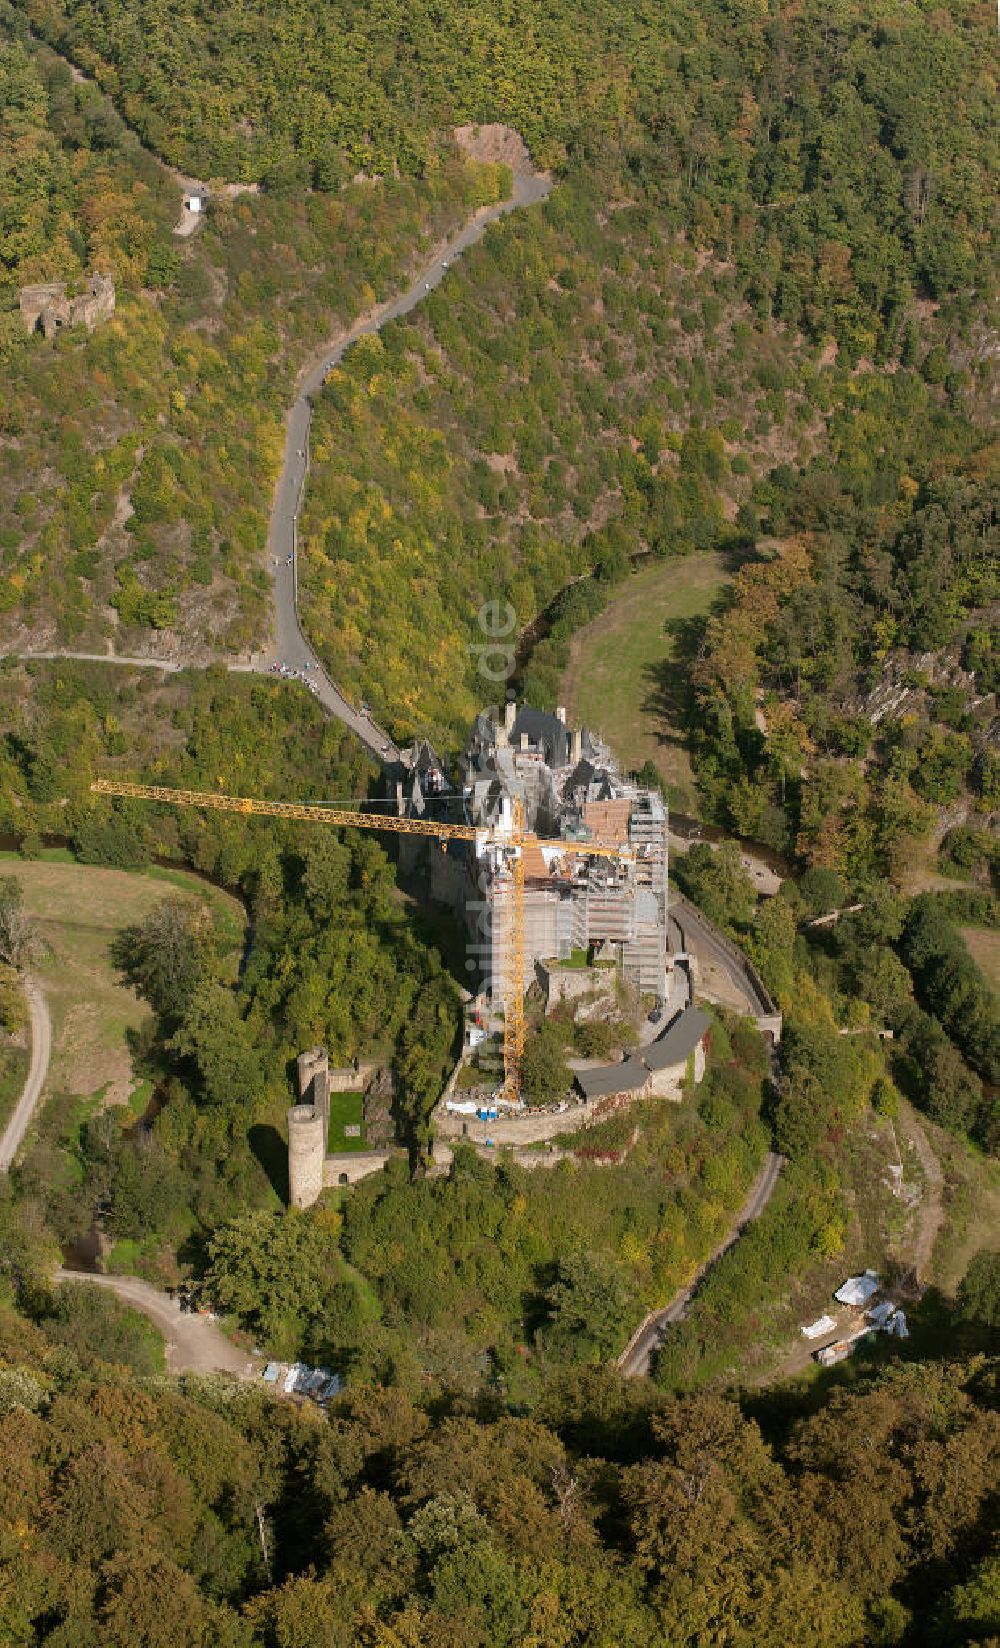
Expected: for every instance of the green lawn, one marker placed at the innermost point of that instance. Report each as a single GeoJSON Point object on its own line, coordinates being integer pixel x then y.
{"type": "Point", "coordinates": [627, 676]}
{"type": "Point", "coordinates": [346, 1110]}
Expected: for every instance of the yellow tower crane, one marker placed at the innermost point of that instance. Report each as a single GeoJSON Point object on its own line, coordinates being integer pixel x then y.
{"type": "Point", "coordinates": [510, 841]}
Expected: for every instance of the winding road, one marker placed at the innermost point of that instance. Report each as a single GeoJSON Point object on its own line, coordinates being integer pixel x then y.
{"type": "Point", "coordinates": [41, 1049]}
{"type": "Point", "coordinates": [636, 1359]}
{"type": "Point", "coordinates": [290, 645]}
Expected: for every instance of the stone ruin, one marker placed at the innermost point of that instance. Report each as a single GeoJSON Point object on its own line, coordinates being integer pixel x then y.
{"type": "Point", "coordinates": [48, 307]}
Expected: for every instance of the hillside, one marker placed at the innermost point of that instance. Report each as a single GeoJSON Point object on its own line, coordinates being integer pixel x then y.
{"type": "Point", "coordinates": [747, 210]}
{"type": "Point", "coordinates": [137, 462]}
{"type": "Point", "coordinates": [142, 1512]}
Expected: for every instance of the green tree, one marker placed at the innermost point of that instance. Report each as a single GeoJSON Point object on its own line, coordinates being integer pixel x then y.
{"type": "Point", "coordinates": [215, 1037]}
{"type": "Point", "coordinates": [164, 957]}
{"type": "Point", "coordinates": [275, 1273]}
{"type": "Point", "coordinates": [545, 1074]}
{"type": "Point", "coordinates": [20, 942]}
{"type": "Point", "coordinates": [979, 1290]}
{"type": "Point", "coordinates": [718, 883]}
{"type": "Point", "coordinates": [589, 1307]}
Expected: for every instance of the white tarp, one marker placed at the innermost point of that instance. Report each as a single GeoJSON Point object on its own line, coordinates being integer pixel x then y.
{"type": "Point", "coordinates": [857, 1290]}
{"type": "Point", "coordinates": [816, 1330]}
{"type": "Point", "coordinates": [880, 1316]}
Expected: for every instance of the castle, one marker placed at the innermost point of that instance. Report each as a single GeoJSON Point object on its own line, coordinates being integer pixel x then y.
{"type": "Point", "coordinates": [47, 306]}
{"type": "Point", "coordinates": [578, 908]}
{"type": "Point", "coordinates": [572, 793]}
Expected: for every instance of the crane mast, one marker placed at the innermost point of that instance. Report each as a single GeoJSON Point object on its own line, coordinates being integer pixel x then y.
{"type": "Point", "coordinates": [511, 844]}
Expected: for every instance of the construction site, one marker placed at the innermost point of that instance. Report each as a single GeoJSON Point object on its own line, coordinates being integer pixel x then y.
{"type": "Point", "coordinates": [588, 882]}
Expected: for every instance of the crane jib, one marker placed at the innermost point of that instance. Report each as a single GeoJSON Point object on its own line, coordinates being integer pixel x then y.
{"type": "Point", "coordinates": [512, 840]}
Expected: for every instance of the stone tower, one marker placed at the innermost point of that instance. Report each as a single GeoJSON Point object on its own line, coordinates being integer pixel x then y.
{"type": "Point", "coordinates": [306, 1151]}
{"type": "Point", "coordinates": [308, 1125]}
{"type": "Point", "coordinates": [308, 1066]}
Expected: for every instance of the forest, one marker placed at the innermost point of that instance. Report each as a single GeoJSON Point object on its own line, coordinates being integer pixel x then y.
{"type": "Point", "coordinates": [199, 1514]}
{"type": "Point", "coordinates": [752, 219]}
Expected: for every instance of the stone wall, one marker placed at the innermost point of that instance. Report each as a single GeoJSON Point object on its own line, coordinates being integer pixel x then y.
{"type": "Point", "coordinates": [593, 987]}
{"type": "Point", "coordinates": [351, 1166]}
{"type": "Point", "coordinates": [347, 1078]}
{"type": "Point", "coordinates": [666, 1084]}
{"type": "Point", "coordinates": [48, 306]}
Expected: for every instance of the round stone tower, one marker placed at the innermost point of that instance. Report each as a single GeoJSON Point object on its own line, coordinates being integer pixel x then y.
{"type": "Point", "coordinates": [306, 1150]}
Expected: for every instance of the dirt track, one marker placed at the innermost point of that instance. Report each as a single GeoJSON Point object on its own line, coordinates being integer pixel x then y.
{"type": "Point", "coordinates": [41, 1048]}
{"type": "Point", "coordinates": [193, 1343]}
{"type": "Point", "coordinates": [920, 1245]}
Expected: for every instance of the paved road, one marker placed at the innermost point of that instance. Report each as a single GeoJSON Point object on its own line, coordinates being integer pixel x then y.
{"type": "Point", "coordinates": [289, 644]}
{"type": "Point", "coordinates": [41, 1048]}
{"type": "Point", "coordinates": [193, 1343]}
{"type": "Point", "coordinates": [705, 940]}
{"type": "Point", "coordinates": [637, 1356]}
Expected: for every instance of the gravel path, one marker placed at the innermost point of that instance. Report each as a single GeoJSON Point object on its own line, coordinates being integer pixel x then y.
{"type": "Point", "coordinates": [289, 643]}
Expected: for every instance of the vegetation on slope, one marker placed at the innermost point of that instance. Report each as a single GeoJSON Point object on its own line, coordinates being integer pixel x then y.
{"type": "Point", "coordinates": [137, 463]}
{"type": "Point", "coordinates": [827, 175]}
{"type": "Point", "coordinates": [199, 1514]}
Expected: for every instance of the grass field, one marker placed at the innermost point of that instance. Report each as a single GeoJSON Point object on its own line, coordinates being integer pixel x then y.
{"type": "Point", "coordinates": [346, 1110]}
{"type": "Point", "coordinates": [972, 1208]}
{"type": "Point", "coordinates": [983, 945]}
{"type": "Point", "coordinates": [78, 909]}
{"type": "Point", "coordinates": [627, 676]}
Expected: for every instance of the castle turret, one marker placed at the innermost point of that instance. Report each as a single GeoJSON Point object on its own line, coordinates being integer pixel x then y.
{"type": "Point", "coordinates": [310, 1064]}
{"type": "Point", "coordinates": [306, 1150]}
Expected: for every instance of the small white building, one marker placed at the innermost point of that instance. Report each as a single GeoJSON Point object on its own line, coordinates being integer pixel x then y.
{"type": "Point", "coordinates": [194, 203]}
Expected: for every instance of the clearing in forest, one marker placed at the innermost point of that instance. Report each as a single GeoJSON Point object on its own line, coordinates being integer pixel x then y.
{"type": "Point", "coordinates": [79, 908]}
{"type": "Point", "coordinates": [983, 945]}
{"type": "Point", "coordinates": [628, 672]}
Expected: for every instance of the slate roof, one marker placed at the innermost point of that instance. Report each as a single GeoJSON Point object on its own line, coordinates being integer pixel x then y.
{"type": "Point", "coordinates": [545, 731]}
{"type": "Point", "coordinates": [625, 1077]}
{"type": "Point", "coordinates": [678, 1042]}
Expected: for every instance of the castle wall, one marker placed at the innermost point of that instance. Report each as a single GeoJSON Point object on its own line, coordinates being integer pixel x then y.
{"type": "Point", "coordinates": [574, 984]}
{"type": "Point", "coordinates": [351, 1166]}
{"type": "Point", "coordinates": [308, 1065]}
{"type": "Point", "coordinates": [48, 304]}
{"type": "Point", "coordinates": [348, 1078]}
